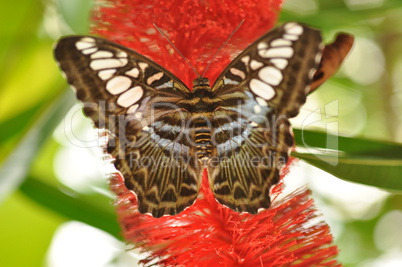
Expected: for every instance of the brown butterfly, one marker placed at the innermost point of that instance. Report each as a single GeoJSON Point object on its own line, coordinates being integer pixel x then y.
{"type": "Point", "coordinates": [162, 135]}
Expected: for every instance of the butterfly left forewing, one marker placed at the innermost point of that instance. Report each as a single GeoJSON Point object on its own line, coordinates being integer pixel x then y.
{"type": "Point", "coordinates": [135, 100]}
{"type": "Point", "coordinates": [263, 87]}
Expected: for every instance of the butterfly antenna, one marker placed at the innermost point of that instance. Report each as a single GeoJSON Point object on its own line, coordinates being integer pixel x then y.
{"type": "Point", "coordinates": [220, 48]}
{"type": "Point", "coordinates": [177, 50]}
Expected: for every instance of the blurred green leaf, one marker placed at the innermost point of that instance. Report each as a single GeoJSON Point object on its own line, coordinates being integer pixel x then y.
{"type": "Point", "coordinates": [350, 145]}
{"type": "Point", "coordinates": [15, 125]}
{"type": "Point", "coordinates": [76, 14]}
{"type": "Point", "coordinates": [26, 231]}
{"type": "Point", "coordinates": [19, 20]}
{"type": "Point", "coordinates": [73, 205]}
{"type": "Point", "coordinates": [370, 162]}
{"type": "Point", "coordinates": [16, 166]}
{"type": "Point", "coordinates": [336, 14]}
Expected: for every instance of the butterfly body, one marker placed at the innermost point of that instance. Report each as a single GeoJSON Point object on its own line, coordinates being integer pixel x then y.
{"type": "Point", "coordinates": [163, 135]}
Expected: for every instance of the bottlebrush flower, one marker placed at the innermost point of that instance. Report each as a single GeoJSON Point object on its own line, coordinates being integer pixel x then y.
{"type": "Point", "coordinates": [207, 233]}
{"type": "Point", "coordinates": [196, 27]}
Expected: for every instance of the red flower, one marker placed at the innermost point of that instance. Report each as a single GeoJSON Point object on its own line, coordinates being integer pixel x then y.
{"type": "Point", "coordinates": [207, 233]}
{"type": "Point", "coordinates": [196, 27]}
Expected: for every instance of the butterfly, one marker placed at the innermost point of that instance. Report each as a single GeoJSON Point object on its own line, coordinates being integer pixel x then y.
{"type": "Point", "coordinates": [162, 135]}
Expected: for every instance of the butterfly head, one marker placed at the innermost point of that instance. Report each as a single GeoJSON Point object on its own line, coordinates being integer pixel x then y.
{"type": "Point", "coordinates": [201, 81]}
{"type": "Point", "coordinates": [201, 88]}
{"type": "Point", "coordinates": [202, 95]}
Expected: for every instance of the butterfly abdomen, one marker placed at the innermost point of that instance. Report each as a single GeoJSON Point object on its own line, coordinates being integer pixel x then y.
{"type": "Point", "coordinates": [202, 137]}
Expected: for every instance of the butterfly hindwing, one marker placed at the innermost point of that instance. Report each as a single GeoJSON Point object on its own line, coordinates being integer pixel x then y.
{"type": "Point", "coordinates": [263, 87]}
{"type": "Point", "coordinates": [134, 98]}
{"type": "Point", "coordinates": [250, 157]}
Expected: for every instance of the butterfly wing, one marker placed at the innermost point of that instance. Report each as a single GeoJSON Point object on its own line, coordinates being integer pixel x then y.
{"type": "Point", "coordinates": [135, 100]}
{"type": "Point", "coordinates": [332, 58]}
{"type": "Point", "coordinates": [263, 87]}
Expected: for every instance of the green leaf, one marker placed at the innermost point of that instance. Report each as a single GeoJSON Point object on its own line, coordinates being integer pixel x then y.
{"type": "Point", "coordinates": [336, 14]}
{"type": "Point", "coordinates": [73, 205]}
{"type": "Point", "coordinates": [370, 162]}
{"type": "Point", "coordinates": [76, 14]}
{"type": "Point", "coordinates": [16, 166]}
{"type": "Point", "coordinates": [14, 126]}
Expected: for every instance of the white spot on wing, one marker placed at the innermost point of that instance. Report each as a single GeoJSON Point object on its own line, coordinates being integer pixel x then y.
{"type": "Point", "coordinates": [143, 66]}
{"type": "Point", "coordinates": [85, 42]}
{"type": "Point", "coordinates": [271, 75]}
{"type": "Point", "coordinates": [132, 109]}
{"type": "Point", "coordinates": [281, 42]}
{"type": "Point", "coordinates": [311, 73]}
{"type": "Point", "coordinates": [82, 45]}
{"type": "Point", "coordinates": [154, 77]}
{"type": "Point", "coordinates": [262, 46]}
{"type": "Point", "coordinates": [230, 81]}
{"type": "Point", "coordinates": [262, 89]}
{"type": "Point", "coordinates": [253, 124]}
{"type": "Point", "coordinates": [89, 51]}
{"type": "Point", "coordinates": [281, 52]}
{"type": "Point", "coordinates": [88, 39]}
{"type": "Point", "coordinates": [280, 63]}
{"type": "Point", "coordinates": [121, 54]}
{"type": "Point", "coordinates": [106, 74]}
{"type": "Point", "coordinates": [261, 101]}
{"type": "Point", "coordinates": [130, 97]}
{"type": "Point", "coordinates": [255, 64]}
{"type": "Point", "coordinates": [237, 72]}
{"type": "Point", "coordinates": [296, 30]}
{"type": "Point", "coordinates": [118, 84]}
{"type": "Point", "coordinates": [109, 63]}
{"type": "Point", "coordinates": [134, 72]}
{"type": "Point", "coordinates": [257, 109]}
{"type": "Point", "coordinates": [289, 25]}
{"type": "Point", "coordinates": [245, 59]}
{"type": "Point", "coordinates": [291, 37]}
{"type": "Point", "coordinates": [102, 54]}
{"type": "Point", "coordinates": [318, 57]}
